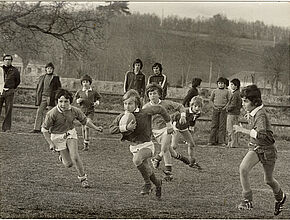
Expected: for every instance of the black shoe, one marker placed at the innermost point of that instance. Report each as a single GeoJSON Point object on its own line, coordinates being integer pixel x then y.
{"type": "Point", "coordinates": [184, 159]}
{"type": "Point", "coordinates": [158, 190]}
{"type": "Point", "coordinates": [35, 131]}
{"type": "Point", "coordinates": [86, 147]}
{"type": "Point", "coordinates": [168, 175]}
{"type": "Point", "coordinates": [146, 189]}
{"type": "Point", "coordinates": [279, 205]}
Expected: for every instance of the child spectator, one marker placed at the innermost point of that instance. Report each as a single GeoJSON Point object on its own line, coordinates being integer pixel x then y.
{"type": "Point", "coordinates": [192, 92]}
{"type": "Point", "coordinates": [59, 132]}
{"type": "Point", "coordinates": [46, 89]}
{"type": "Point", "coordinates": [219, 97]}
{"type": "Point", "coordinates": [186, 130]}
{"type": "Point", "coordinates": [141, 145]}
{"type": "Point", "coordinates": [261, 148]}
{"type": "Point", "coordinates": [135, 79]}
{"type": "Point", "coordinates": [159, 78]}
{"type": "Point", "coordinates": [159, 130]}
{"type": "Point", "coordinates": [87, 98]}
{"type": "Point", "coordinates": [233, 109]}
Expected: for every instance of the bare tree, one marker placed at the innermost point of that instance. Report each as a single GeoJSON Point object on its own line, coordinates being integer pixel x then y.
{"type": "Point", "coordinates": [276, 62]}
{"type": "Point", "coordinates": [74, 26]}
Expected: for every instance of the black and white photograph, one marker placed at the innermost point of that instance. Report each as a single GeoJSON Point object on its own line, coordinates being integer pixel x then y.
{"type": "Point", "coordinates": [145, 109]}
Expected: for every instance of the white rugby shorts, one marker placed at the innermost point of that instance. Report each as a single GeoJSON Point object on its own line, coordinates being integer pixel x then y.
{"type": "Point", "coordinates": [60, 140]}
{"type": "Point", "coordinates": [158, 134]}
{"type": "Point", "coordinates": [135, 148]}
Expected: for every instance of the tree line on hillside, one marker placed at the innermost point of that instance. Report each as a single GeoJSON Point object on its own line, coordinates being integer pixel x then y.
{"type": "Point", "coordinates": [103, 41]}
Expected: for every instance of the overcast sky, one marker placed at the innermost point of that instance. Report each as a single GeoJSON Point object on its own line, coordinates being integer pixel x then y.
{"type": "Point", "coordinates": [276, 13]}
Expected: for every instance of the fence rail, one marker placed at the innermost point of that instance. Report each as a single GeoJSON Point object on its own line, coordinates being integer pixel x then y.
{"type": "Point", "coordinates": [112, 112]}
{"type": "Point", "coordinates": [174, 99]}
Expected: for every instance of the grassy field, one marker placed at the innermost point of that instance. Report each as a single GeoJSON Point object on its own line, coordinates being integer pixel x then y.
{"type": "Point", "coordinates": [34, 184]}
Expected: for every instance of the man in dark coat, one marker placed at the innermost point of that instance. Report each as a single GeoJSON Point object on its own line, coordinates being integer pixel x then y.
{"type": "Point", "coordinates": [11, 82]}
{"type": "Point", "coordinates": [46, 89]}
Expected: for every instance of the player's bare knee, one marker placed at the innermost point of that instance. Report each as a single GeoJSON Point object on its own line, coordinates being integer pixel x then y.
{"type": "Point", "coordinates": [137, 161]}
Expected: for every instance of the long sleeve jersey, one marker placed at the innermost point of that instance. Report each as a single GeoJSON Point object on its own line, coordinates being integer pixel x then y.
{"type": "Point", "coordinates": [191, 118]}
{"type": "Point", "coordinates": [143, 130]}
{"type": "Point", "coordinates": [261, 133]}
{"type": "Point", "coordinates": [160, 79]}
{"type": "Point", "coordinates": [89, 98]}
{"type": "Point", "coordinates": [235, 103]}
{"type": "Point", "coordinates": [171, 107]}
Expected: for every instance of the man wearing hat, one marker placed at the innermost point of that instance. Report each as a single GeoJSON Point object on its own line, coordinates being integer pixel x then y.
{"type": "Point", "coordinates": [46, 89]}
{"type": "Point", "coordinates": [10, 79]}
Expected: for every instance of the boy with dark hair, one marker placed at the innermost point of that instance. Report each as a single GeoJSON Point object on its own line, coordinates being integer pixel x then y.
{"type": "Point", "coordinates": [59, 132]}
{"type": "Point", "coordinates": [220, 98]}
{"type": "Point", "coordinates": [153, 92]}
{"type": "Point", "coordinates": [135, 79]}
{"type": "Point", "coordinates": [192, 92]}
{"type": "Point", "coordinates": [87, 98]}
{"type": "Point", "coordinates": [233, 109]}
{"type": "Point", "coordinates": [261, 149]}
{"type": "Point", "coordinates": [139, 137]}
{"type": "Point", "coordinates": [159, 78]}
{"type": "Point", "coordinates": [46, 89]}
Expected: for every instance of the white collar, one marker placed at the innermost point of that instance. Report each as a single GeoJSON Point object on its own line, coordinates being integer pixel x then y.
{"type": "Point", "coordinates": [137, 110]}
{"type": "Point", "coordinates": [89, 89]}
{"type": "Point", "coordinates": [61, 111]}
{"type": "Point", "coordinates": [159, 101]}
{"type": "Point", "coordinates": [190, 111]}
{"type": "Point", "coordinates": [253, 112]}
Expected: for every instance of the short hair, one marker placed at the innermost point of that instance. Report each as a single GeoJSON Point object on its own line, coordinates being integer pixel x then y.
{"type": "Point", "coordinates": [196, 82]}
{"type": "Point", "coordinates": [196, 100]}
{"type": "Point", "coordinates": [7, 55]}
{"type": "Point", "coordinates": [65, 93]}
{"type": "Point", "coordinates": [253, 93]}
{"type": "Point", "coordinates": [49, 65]}
{"type": "Point", "coordinates": [133, 93]}
{"type": "Point", "coordinates": [236, 82]}
{"type": "Point", "coordinates": [154, 87]}
{"type": "Point", "coordinates": [159, 65]}
{"type": "Point", "coordinates": [138, 61]}
{"type": "Point", "coordinates": [86, 78]}
{"type": "Point", "coordinates": [227, 82]}
{"type": "Point", "coordinates": [222, 80]}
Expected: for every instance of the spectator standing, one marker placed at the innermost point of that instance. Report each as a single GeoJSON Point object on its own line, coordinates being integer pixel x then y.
{"type": "Point", "coordinates": [159, 78]}
{"type": "Point", "coordinates": [192, 92]}
{"type": "Point", "coordinates": [220, 98]}
{"type": "Point", "coordinates": [233, 109]}
{"type": "Point", "coordinates": [46, 89]}
{"type": "Point", "coordinates": [135, 79]}
{"type": "Point", "coordinates": [11, 82]}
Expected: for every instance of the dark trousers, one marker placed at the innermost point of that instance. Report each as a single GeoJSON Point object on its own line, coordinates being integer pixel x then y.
{"type": "Point", "coordinates": [218, 127]}
{"type": "Point", "coordinates": [7, 98]}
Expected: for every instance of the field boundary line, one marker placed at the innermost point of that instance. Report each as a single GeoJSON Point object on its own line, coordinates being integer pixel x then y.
{"type": "Point", "coordinates": [118, 139]}
{"type": "Point", "coordinates": [113, 112]}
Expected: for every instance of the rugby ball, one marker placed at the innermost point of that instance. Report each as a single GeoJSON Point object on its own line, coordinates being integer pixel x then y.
{"type": "Point", "coordinates": [127, 118]}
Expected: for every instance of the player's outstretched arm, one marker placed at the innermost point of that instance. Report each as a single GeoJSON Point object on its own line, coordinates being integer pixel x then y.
{"type": "Point", "coordinates": [93, 126]}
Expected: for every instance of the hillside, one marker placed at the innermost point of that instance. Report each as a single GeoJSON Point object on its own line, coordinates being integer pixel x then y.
{"type": "Point", "coordinates": [184, 55]}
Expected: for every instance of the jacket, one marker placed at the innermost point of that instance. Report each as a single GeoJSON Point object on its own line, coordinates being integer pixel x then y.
{"type": "Point", "coordinates": [54, 85]}
{"type": "Point", "coordinates": [11, 77]}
